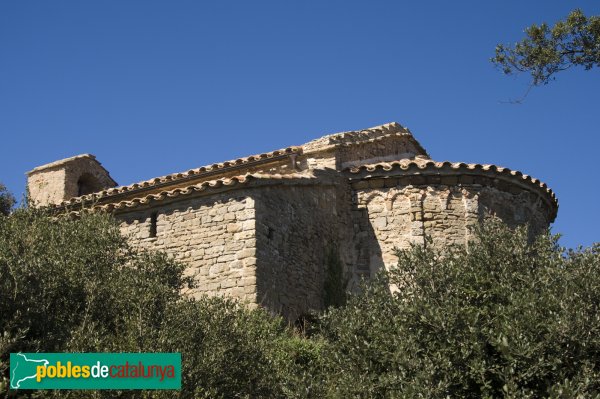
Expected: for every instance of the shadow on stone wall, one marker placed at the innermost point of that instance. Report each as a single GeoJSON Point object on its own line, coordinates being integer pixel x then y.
{"type": "Point", "coordinates": [297, 223]}
{"type": "Point", "coordinates": [367, 257]}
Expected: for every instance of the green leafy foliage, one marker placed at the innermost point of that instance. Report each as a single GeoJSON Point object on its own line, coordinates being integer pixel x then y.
{"type": "Point", "coordinates": [547, 50]}
{"type": "Point", "coordinates": [76, 286]}
{"type": "Point", "coordinates": [507, 318]}
{"type": "Point", "coordinates": [227, 351]}
{"type": "Point", "coordinates": [7, 200]}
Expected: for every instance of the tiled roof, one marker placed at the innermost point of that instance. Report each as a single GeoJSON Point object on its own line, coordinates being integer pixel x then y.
{"type": "Point", "coordinates": [122, 193]}
{"type": "Point", "coordinates": [192, 174]}
{"type": "Point", "coordinates": [76, 203]}
{"type": "Point", "coordinates": [423, 166]}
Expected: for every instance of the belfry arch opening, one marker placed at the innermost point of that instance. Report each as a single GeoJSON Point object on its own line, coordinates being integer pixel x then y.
{"type": "Point", "coordinates": [87, 184]}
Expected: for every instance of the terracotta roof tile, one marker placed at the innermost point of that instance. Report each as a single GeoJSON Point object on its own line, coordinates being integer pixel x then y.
{"type": "Point", "coordinates": [419, 165]}
{"type": "Point", "coordinates": [179, 191]}
{"type": "Point", "coordinates": [190, 174]}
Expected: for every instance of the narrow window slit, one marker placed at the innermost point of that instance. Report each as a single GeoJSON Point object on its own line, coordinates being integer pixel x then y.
{"type": "Point", "coordinates": [153, 219]}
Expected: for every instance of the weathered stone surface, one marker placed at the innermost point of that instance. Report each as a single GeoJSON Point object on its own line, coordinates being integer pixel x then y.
{"type": "Point", "coordinates": [258, 228]}
{"type": "Point", "coordinates": [214, 244]}
{"type": "Point", "coordinates": [55, 182]}
{"type": "Point", "coordinates": [445, 213]}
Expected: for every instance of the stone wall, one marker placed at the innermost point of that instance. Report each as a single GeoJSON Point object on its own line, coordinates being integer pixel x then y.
{"type": "Point", "coordinates": [295, 227]}
{"type": "Point", "coordinates": [48, 187]}
{"type": "Point", "coordinates": [401, 214]}
{"type": "Point", "coordinates": [264, 244]}
{"type": "Point", "coordinates": [258, 228]}
{"type": "Point", "coordinates": [213, 236]}
{"type": "Point", "coordinates": [61, 180]}
{"type": "Point", "coordinates": [333, 152]}
{"type": "Point", "coordinates": [384, 149]}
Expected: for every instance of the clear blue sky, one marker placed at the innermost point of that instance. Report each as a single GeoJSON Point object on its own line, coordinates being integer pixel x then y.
{"type": "Point", "coordinates": [155, 87]}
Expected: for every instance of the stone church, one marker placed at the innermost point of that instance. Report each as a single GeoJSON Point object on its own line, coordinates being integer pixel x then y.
{"type": "Point", "coordinates": [258, 228]}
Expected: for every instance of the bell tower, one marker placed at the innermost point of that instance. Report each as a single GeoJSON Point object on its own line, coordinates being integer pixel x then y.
{"type": "Point", "coordinates": [55, 182]}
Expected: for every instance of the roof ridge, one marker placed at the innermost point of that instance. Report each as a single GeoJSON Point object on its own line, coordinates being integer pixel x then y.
{"type": "Point", "coordinates": [390, 126]}
{"type": "Point", "coordinates": [344, 138]}
{"type": "Point", "coordinates": [62, 162]}
{"type": "Point", "coordinates": [356, 137]}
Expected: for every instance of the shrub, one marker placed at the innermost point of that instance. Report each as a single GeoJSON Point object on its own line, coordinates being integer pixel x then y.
{"type": "Point", "coordinates": [509, 317]}
{"type": "Point", "coordinates": [74, 285]}
{"type": "Point", "coordinates": [6, 201]}
{"type": "Point", "coordinates": [506, 318]}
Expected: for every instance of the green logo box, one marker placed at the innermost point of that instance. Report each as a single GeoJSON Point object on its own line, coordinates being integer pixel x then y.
{"type": "Point", "coordinates": [95, 371]}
